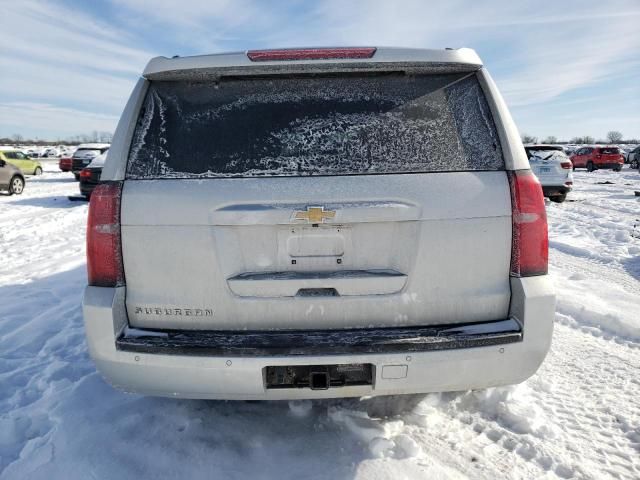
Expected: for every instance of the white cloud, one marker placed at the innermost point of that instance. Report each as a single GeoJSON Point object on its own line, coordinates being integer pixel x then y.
{"type": "Point", "coordinates": [538, 52]}
{"type": "Point", "coordinates": [62, 36]}
{"type": "Point", "coordinates": [53, 56]}
{"type": "Point", "coordinates": [17, 117]}
{"type": "Point", "coordinates": [571, 45]}
{"type": "Point", "coordinates": [30, 80]}
{"type": "Point", "coordinates": [564, 58]}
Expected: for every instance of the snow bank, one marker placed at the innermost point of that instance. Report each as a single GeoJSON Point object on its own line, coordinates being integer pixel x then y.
{"type": "Point", "coordinates": [579, 416]}
{"type": "Point", "coordinates": [595, 257]}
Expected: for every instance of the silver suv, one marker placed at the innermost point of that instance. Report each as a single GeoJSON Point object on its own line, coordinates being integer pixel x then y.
{"type": "Point", "coordinates": [314, 223]}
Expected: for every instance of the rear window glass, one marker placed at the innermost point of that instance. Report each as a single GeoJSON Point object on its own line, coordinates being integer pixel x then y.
{"type": "Point", "coordinates": [328, 125]}
{"type": "Point", "coordinates": [609, 150]}
{"type": "Point", "coordinates": [81, 152]}
{"type": "Point", "coordinates": [546, 154]}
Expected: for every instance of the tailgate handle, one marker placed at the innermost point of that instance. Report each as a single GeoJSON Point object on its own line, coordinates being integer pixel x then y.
{"type": "Point", "coordinates": [286, 213]}
{"type": "Point", "coordinates": [322, 284]}
{"type": "Point", "coordinates": [317, 292]}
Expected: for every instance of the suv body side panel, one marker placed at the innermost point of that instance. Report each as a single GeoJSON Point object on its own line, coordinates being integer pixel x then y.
{"type": "Point", "coordinates": [116, 162]}
{"type": "Point", "coordinates": [513, 151]}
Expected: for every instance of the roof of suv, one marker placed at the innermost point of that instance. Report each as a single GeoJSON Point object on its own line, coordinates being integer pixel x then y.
{"type": "Point", "coordinates": [233, 63]}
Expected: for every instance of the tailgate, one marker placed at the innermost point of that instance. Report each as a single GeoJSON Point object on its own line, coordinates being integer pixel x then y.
{"type": "Point", "coordinates": [548, 168]}
{"type": "Point", "coordinates": [392, 250]}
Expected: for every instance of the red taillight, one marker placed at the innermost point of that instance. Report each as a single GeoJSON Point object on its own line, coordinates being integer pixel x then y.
{"type": "Point", "coordinates": [310, 54]}
{"type": "Point", "coordinates": [104, 253]}
{"type": "Point", "coordinates": [84, 173]}
{"type": "Point", "coordinates": [566, 164]}
{"type": "Point", "coordinates": [530, 247]}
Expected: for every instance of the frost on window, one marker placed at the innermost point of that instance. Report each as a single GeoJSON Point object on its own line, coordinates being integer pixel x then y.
{"type": "Point", "coordinates": [333, 125]}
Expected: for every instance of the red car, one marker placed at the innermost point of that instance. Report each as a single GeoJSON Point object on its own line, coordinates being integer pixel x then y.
{"type": "Point", "coordinates": [65, 164]}
{"type": "Point", "coordinates": [593, 158]}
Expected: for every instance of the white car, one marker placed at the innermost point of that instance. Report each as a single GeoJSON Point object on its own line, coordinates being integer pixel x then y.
{"type": "Point", "coordinates": [49, 152]}
{"type": "Point", "coordinates": [554, 170]}
{"type": "Point", "coordinates": [316, 223]}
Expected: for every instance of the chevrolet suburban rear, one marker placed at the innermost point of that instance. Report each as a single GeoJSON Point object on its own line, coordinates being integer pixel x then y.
{"type": "Point", "coordinates": [316, 223]}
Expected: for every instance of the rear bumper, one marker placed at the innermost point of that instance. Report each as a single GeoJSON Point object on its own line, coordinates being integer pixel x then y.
{"type": "Point", "coordinates": [608, 165]}
{"type": "Point", "coordinates": [550, 190]}
{"type": "Point", "coordinates": [510, 357]}
{"type": "Point", "coordinates": [319, 342]}
{"type": "Point", "coordinates": [86, 188]}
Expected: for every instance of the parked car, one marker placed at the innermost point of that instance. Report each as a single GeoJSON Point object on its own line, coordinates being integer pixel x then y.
{"type": "Point", "coordinates": [32, 152]}
{"type": "Point", "coordinates": [49, 152]}
{"type": "Point", "coordinates": [554, 170]}
{"type": "Point", "coordinates": [27, 165]}
{"type": "Point", "coordinates": [11, 178]}
{"type": "Point", "coordinates": [309, 223]}
{"type": "Point", "coordinates": [65, 164]}
{"type": "Point", "coordinates": [90, 175]}
{"type": "Point", "coordinates": [634, 157]}
{"type": "Point", "coordinates": [597, 157]}
{"type": "Point", "coordinates": [84, 154]}
{"type": "Point", "coordinates": [66, 151]}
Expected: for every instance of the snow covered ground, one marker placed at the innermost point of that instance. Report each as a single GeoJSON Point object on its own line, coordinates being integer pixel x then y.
{"type": "Point", "coordinates": [578, 417]}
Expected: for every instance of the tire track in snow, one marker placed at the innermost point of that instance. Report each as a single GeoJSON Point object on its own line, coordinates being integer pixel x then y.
{"type": "Point", "coordinates": [577, 417]}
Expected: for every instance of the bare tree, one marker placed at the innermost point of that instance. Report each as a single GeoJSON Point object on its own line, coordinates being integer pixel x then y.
{"type": "Point", "coordinates": [529, 139]}
{"type": "Point", "coordinates": [106, 137]}
{"type": "Point", "coordinates": [614, 136]}
{"type": "Point", "coordinates": [17, 138]}
{"type": "Point", "coordinates": [588, 139]}
{"type": "Point", "coordinates": [550, 139]}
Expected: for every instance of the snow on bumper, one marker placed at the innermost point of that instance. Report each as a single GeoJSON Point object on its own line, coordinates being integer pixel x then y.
{"type": "Point", "coordinates": [228, 377]}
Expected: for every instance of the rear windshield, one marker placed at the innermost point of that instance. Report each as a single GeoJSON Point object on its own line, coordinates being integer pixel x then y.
{"type": "Point", "coordinates": [320, 125]}
{"type": "Point", "coordinates": [87, 151]}
{"type": "Point", "coordinates": [546, 154]}
{"type": "Point", "coordinates": [610, 150]}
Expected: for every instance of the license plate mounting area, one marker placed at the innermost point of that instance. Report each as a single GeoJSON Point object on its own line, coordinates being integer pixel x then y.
{"type": "Point", "coordinates": [318, 377]}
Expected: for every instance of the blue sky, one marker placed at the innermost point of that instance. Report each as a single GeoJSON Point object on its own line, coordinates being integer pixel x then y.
{"type": "Point", "coordinates": [566, 68]}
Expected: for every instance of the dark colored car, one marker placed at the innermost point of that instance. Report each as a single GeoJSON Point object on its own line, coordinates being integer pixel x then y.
{"type": "Point", "coordinates": [597, 157]}
{"type": "Point", "coordinates": [85, 154]}
{"type": "Point", "coordinates": [633, 157]}
{"type": "Point", "coordinates": [90, 176]}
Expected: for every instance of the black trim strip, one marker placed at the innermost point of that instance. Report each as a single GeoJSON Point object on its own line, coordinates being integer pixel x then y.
{"type": "Point", "coordinates": [320, 342]}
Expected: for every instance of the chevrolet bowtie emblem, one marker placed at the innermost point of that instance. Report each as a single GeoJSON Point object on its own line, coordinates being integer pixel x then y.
{"type": "Point", "coordinates": [314, 215]}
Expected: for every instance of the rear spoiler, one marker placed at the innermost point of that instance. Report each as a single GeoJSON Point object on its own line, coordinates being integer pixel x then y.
{"type": "Point", "coordinates": [388, 59]}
